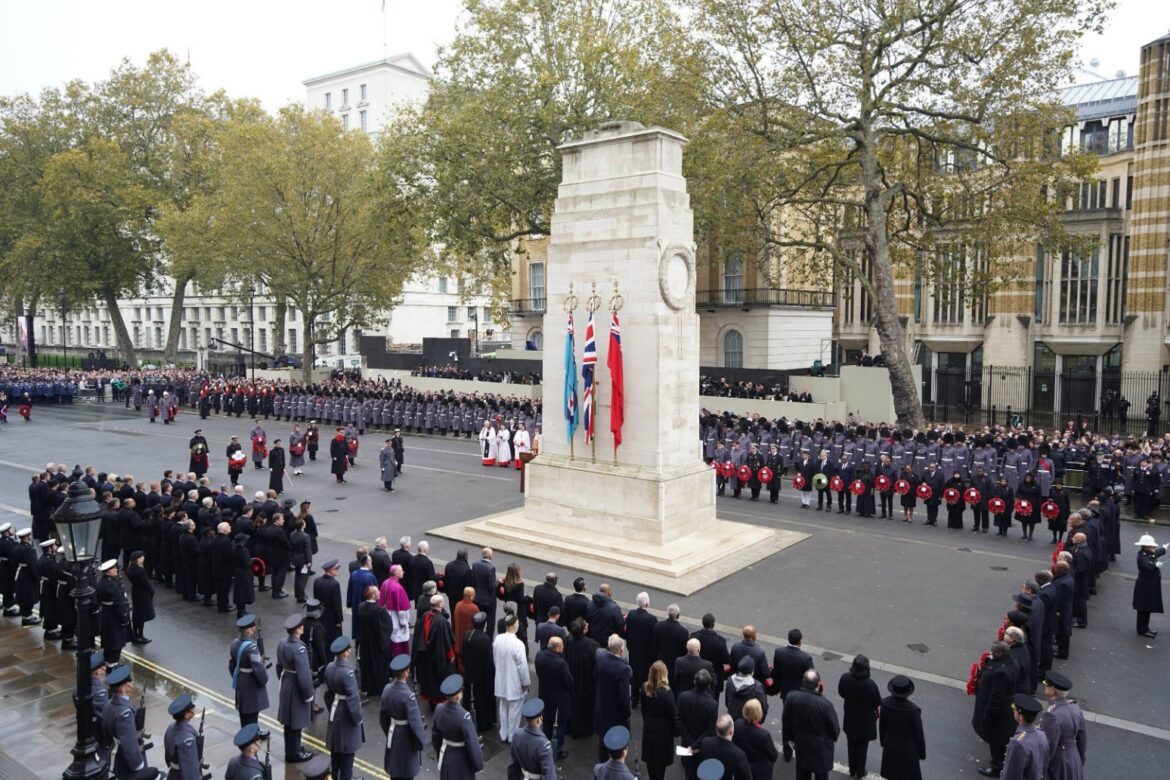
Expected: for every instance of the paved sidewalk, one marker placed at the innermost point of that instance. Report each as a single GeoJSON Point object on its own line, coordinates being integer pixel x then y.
{"type": "Point", "coordinates": [37, 716]}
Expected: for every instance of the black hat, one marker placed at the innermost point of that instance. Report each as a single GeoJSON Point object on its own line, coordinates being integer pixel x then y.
{"type": "Point", "coordinates": [960, 437]}
{"type": "Point", "coordinates": [240, 538]}
{"type": "Point", "coordinates": [1057, 680]}
{"type": "Point", "coordinates": [400, 662]}
{"type": "Point", "coordinates": [1023, 601]}
{"type": "Point", "coordinates": [180, 704]}
{"type": "Point", "coordinates": [900, 686]}
{"type": "Point", "coordinates": [1025, 703]}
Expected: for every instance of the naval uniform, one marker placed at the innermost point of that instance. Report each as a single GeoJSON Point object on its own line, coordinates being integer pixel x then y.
{"type": "Point", "coordinates": [405, 737]}
{"type": "Point", "coordinates": [115, 618]}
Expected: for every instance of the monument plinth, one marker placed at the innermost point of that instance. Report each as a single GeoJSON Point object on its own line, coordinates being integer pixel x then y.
{"type": "Point", "coordinates": [623, 216]}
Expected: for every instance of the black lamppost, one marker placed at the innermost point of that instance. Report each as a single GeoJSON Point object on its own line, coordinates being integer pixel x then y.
{"type": "Point", "coordinates": [79, 521]}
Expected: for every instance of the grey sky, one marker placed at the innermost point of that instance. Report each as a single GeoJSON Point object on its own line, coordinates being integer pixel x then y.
{"type": "Point", "coordinates": [265, 48]}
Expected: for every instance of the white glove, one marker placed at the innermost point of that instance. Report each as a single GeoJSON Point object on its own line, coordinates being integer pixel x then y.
{"type": "Point", "coordinates": [1158, 564]}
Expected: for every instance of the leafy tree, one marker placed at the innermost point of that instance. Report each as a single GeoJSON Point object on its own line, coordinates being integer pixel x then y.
{"type": "Point", "coordinates": [883, 129]}
{"type": "Point", "coordinates": [293, 204]}
{"type": "Point", "coordinates": [478, 164]}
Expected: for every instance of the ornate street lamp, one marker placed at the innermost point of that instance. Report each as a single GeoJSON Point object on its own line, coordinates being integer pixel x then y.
{"type": "Point", "coordinates": [79, 522]}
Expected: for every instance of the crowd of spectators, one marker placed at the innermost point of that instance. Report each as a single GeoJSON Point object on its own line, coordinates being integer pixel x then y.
{"type": "Point", "coordinates": [453, 371]}
{"type": "Point", "coordinates": [720, 386]}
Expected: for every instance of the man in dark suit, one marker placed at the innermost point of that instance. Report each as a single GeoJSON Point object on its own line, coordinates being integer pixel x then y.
{"type": "Point", "coordinates": [483, 572]}
{"type": "Point", "coordinates": [639, 633]}
{"type": "Point", "coordinates": [720, 746]}
{"type": "Point", "coordinates": [670, 639]}
{"type": "Point", "coordinates": [824, 495]}
{"type": "Point", "coordinates": [612, 693]}
{"type": "Point", "coordinates": [556, 690]}
{"type": "Point", "coordinates": [687, 666]}
{"type": "Point", "coordinates": [546, 595]}
{"type": "Point", "coordinates": [788, 667]}
{"type": "Point", "coordinates": [713, 648]}
{"type": "Point", "coordinates": [457, 576]}
{"type": "Point", "coordinates": [576, 604]}
{"type": "Point", "coordinates": [697, 711]}
{"type": "Point", "coordinates": [327, 590]}
{"type": "Point", "coordinates": [380, 562]}
{"type": "Point", "coordinates": [748, 647]}
{"type": "Point", "coordinates": [810, 724]}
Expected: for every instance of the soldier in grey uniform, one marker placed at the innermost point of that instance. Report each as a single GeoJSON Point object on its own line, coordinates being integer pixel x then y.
{"type": "Point", "coordinates": [402, 723]}
{"type": "Point", "coordinates": [1027, 751]}
{"type": "Point", "coordinates": [453, 735]}
{"type": "Point", "coordinates": [346, 732]}
{"type": "Point", "coordinates": [1064, 725]}
{"type": "Point", "coordinates": [181, 742]}
{"type": "Point", "coordinates": [617, 743]}
{"type": "Point", "coordinates": [101, 697]}
{"type": "Point", "coordinates": [119, 724]}
{"type": "Point", "coordinates": [248, 672]}
{"type": "Point", "coordinates": [246, 766]}
{"type": "Point", "coordinates": [531, 753]}
{"type": "Point", "coordinates": [295, 704]}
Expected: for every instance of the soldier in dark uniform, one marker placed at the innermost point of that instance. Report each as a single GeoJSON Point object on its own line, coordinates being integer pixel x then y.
{"type": "Point", "coordinates": [115, 612]}
{"type": "Point", "coordinates": [1027, 752]}
{"type": "Point", "coordinates": [755, 462]}
{"type": "Point", "coordinates": [1064, 725]}
{"type": "Point", "coordinates": [246, 766]}
{"type": "Point", "coordinates": [316, 640]}
{"type": "Point", "coordinates": [295, 707]}
{"type": "Point", "coordinates": [401, 721]}
{"type": "Point", "coordinates": [8, 571]}
{"type": "Point", "coordinates": [453, 735]}
{"type": "Point", "coordinates": [120, 724]}
{"type": "Point", "coordinates": [24, 558]}
{"type": "Point", "coordinates": [345, 733]}
{"type": "Point", "coordinates": [49, 575]}
{"type": "Point", "coordinates": [327, 590]}
{"type": "Point", "coordinates": [248, 672]}
{"type": "Point", "coordinates": [181, 742]}
{"type": "Point", "coordinates": [530, 756]}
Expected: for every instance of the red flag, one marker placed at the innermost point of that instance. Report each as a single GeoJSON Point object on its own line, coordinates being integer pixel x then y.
{"type": "Point", "coordinates": [617, 410]}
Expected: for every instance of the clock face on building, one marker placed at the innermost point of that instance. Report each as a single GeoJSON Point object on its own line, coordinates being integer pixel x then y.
{"type": "Point", "coordinates": [676, 276]}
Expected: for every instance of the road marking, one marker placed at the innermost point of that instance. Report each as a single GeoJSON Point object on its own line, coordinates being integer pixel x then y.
{"type": "Point", "coordinates": [268, 720]}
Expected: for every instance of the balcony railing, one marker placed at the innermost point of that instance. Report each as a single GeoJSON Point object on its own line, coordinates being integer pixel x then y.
{"type": "Point", "coordinates": [764, 296]}
{"type": "Point", "coordinates": [529, 305]}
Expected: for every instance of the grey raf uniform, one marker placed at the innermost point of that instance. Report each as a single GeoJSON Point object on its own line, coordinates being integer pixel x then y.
{"type": "Point", "coordinates": [243, 767]}
{"type": "Point", "coordinates": [531, 756]}
{"type": "Point", "coordinates": [1027, 754]}
{"type": "Point", "coordinates": [181, 752]}
{"type": "Point", "coordinates": [1064, 725]}
{"type": "Point", "coordinates": [249, 677]}
{"type": "Point", "coordinates": [613, 770]}
{"type": "Point", "coordinates": [295, 706]}
{"type": "Point", "coordinates": [346, 732]}
{"type": "Point", "coordinates": [118, 725]}
{"type": "Point", "coordinates": [405, 736]}
{"type": "Point", "coordinates": [460, 756]}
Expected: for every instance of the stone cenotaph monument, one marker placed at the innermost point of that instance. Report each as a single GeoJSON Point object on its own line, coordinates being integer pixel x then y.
{"type": "Point", "coordinates": [622, 235]}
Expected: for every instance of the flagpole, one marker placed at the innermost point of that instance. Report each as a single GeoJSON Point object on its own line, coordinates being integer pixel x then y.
{"type": "Point", "coordinates": [593, 303]}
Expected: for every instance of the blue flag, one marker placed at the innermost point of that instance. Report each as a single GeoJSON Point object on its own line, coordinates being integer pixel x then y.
{"type": "Point", "coordinates": [570, 383]}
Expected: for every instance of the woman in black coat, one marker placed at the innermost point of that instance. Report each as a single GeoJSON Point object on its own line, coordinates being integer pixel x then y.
{"type": "Point", "coordinates": [338, 456]}
{"type": "Point", "coordinates": [1147, 590]}
{"type": "Point", "coordinates": [141, 598]}
{"type": "Point", "coordinates": [755, 741]}
{"type": "Point", "coordinates": [909, 499]}
{"type": "Point", "coordinates": [206, 577]}
{"type": "Point", "coordinates": [581, 652]}
{"type": "Point", "coordinates": [243, 590]}
{"type": "Point", "coordinates": [660, 726]}
{"type": "Point", "coordinates": [862, 699]}
{"type": "Point", "coordinates": [1029, 491]}
{"type": "Point", "coordinates": [955, 510]}
{"type": "Point", "coordinates": [1003, 520]}
{"type": "Point", "coordinates": [276, 467]}
{"type": "Point", "coordinates": [900, 731]}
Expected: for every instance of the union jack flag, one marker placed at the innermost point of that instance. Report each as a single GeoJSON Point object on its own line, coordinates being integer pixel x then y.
{"type": "Point", "coordinates": [588, 361]}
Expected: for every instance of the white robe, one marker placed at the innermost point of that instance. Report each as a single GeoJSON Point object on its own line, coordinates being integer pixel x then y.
{"type": "Point", "coordinates": [521, 442]}
{"type": "Point", "coordinates": [503, 448]}
{"type": "Point", "coordinates": [487, 445]}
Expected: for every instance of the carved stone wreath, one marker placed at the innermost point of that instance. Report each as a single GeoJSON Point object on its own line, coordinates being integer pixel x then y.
{"type": "Point", "coordinates": [676, 276]}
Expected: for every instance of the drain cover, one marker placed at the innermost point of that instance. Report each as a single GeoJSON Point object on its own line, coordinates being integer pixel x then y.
{"type": "Point", "coordinates": [918, 647]}
{"type": "Point", "coordinates": [998, 568]}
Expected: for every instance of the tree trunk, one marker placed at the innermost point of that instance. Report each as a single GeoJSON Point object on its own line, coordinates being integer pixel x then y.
{"type": "Point", "coordinates": [171, 351]}
{"type": "Point", "coordinates": [280, 313]}
{"type": "Point", "coordinates": [907, 405]}
{"type": "Point", "coordinates": [307, 349]}
{"type": "Point", "coordinates": [125, 346]}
